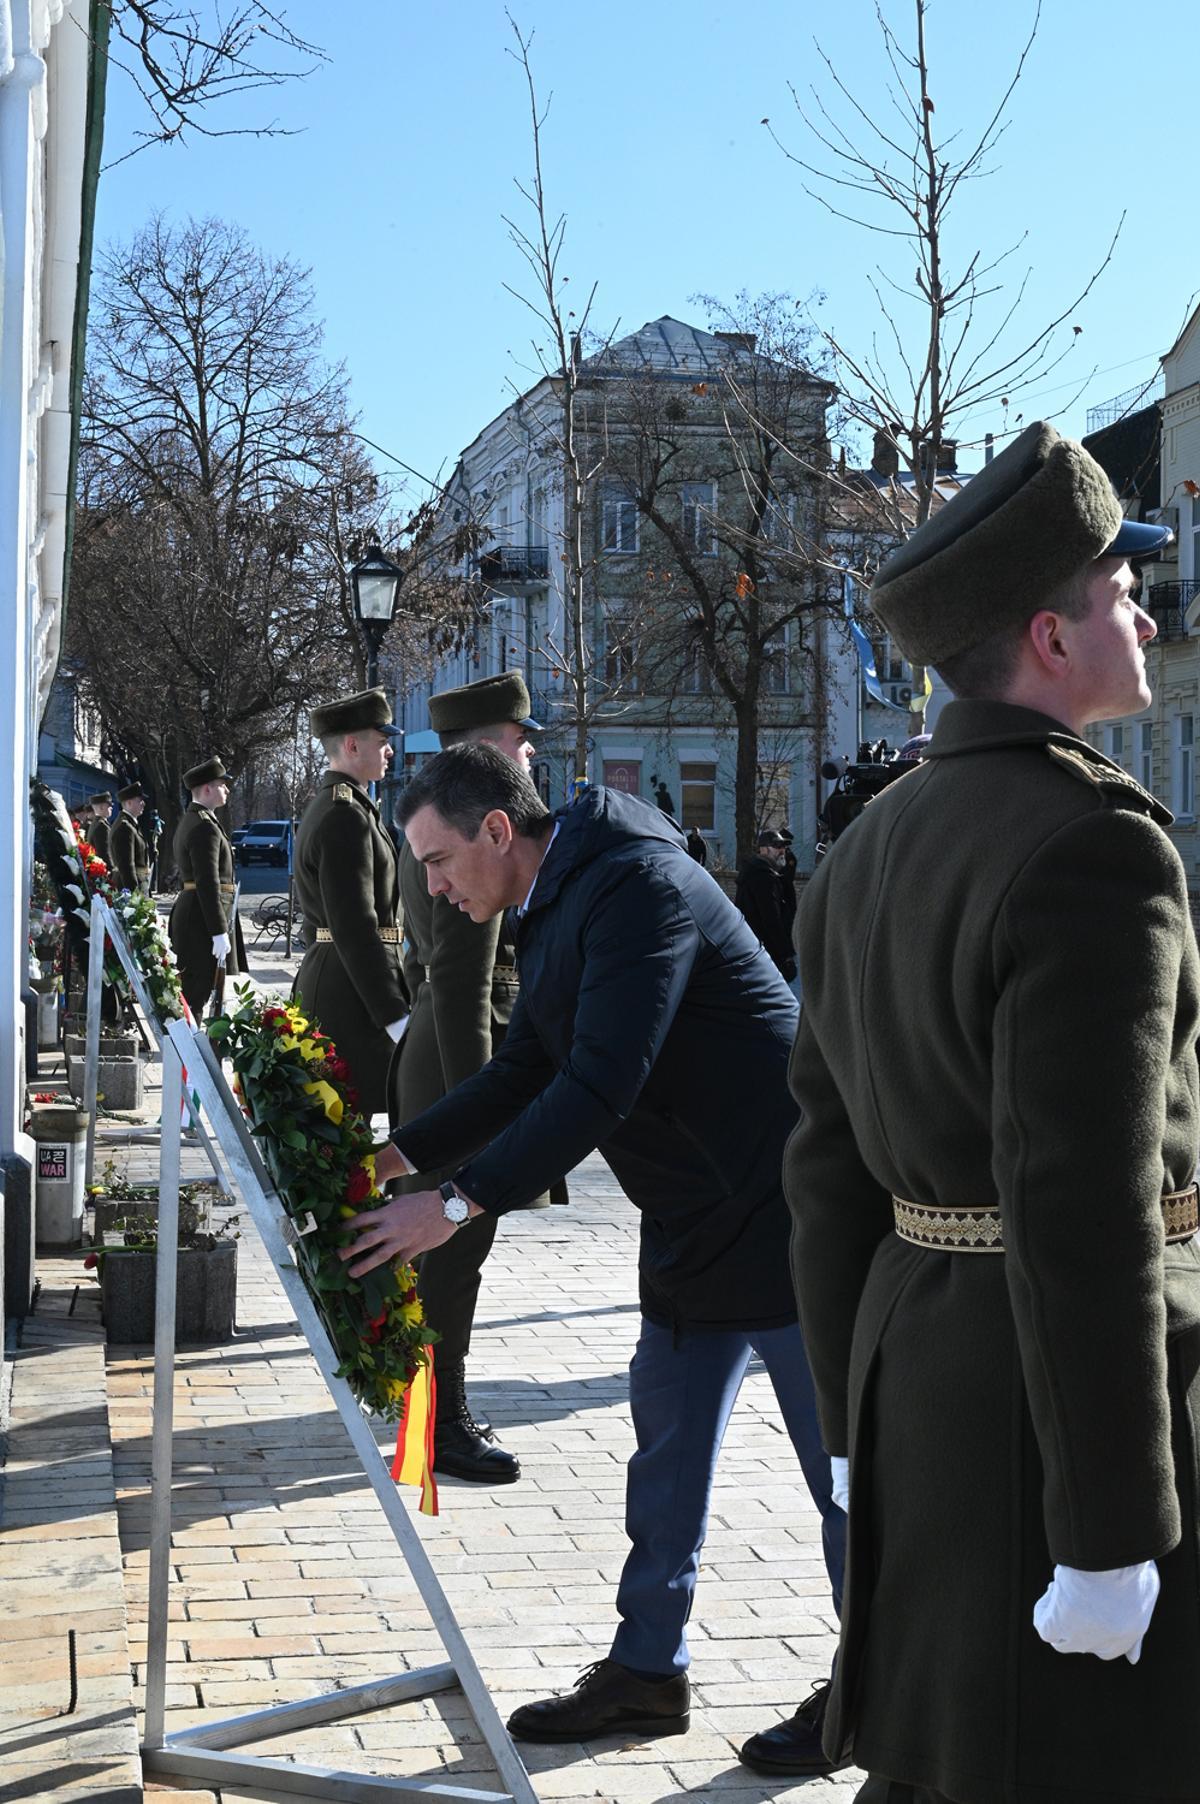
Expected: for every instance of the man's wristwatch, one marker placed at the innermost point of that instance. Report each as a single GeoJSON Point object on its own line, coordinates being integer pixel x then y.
{"type": "Point", "coordinates": [453, 1207]}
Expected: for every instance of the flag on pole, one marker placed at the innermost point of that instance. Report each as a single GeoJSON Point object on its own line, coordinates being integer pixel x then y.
{"type": "Point", "coordinates": [870, 676]}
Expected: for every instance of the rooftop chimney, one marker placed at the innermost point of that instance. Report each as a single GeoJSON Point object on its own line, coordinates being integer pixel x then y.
{"type": "Point", "coordinates": [885, 457]}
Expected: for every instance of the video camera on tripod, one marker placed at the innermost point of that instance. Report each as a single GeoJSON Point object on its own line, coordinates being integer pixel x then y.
{"type": "Point", "coordinates": [877, 765]}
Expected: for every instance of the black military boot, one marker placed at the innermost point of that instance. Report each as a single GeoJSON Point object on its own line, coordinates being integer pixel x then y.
{"type": "Point", "coordinates": [460, 1449]}
{"type": "Point", "coordinates": [794, 1747]}
{"type": "Point", "coordinates": [608, 1699]}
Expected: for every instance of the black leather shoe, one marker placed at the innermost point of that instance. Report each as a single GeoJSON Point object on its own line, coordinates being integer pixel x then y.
{"type": "Point", "coordinates": [608, 1700]}
{"type": "Point", "coordinates": [460, 1451]}
{"type": "Point", "coordinates": [794, 1746]}
{"type": "Point", "coordinates": [462, 1447]}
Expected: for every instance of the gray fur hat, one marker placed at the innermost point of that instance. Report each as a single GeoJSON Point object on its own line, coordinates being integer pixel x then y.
{"type": "Point", "coordinates": [995, 552]}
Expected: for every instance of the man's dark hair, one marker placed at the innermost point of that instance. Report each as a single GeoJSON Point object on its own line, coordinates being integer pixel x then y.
{"type": "Point", "coordinates": [468, 781]}
{"type": "Point", "coordinates": [984, 671]}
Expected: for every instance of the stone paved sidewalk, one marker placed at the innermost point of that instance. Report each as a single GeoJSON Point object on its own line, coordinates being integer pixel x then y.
{"type": "Point", "coordinates": [286, 1581]}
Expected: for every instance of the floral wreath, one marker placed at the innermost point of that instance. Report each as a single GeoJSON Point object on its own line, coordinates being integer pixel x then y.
{"type": "Point", "coordinates": [299, 1097]}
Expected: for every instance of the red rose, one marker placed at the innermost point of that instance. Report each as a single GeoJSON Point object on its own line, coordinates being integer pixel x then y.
{"type": "Point", "coordinates": [90, 1262]}
{"type": "Point", "coordinates": [273, 1015]}
{"type": "Point", "coordinates": [358, 1188]}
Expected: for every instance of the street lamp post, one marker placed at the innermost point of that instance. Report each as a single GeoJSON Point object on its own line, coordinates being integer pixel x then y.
{"type": "Point", "coordinates": [375, 582]}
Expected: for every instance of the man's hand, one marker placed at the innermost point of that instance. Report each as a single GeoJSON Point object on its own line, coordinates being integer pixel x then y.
{"type": "Point", "coordinates": [1101, 1613]}
{"type": "Point", "coordinates": [221, 947]}
{"type": "Point", "coordinates": [839, 1468]}
{"type": "Point", "coordinates": [390, 1163]}
{"type": "Point", "coordinates": [399, 1230]}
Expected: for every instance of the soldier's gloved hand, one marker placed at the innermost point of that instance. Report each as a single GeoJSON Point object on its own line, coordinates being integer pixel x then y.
{"type": "Point", "coordinates": [220, 947]}
{"type": "Point", "coordinates": [397, 1029]}
{"type": "Point", "coordinates": [840, 1469]}
{"type": "Point", "coordinates": [1101, 1613]}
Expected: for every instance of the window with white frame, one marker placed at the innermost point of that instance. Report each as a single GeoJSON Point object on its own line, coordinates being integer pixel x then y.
{"type": "Point", "coordinates": [699, 501]}
{"type": "Point", "coordinates": [698, 783]}
{"type": "Point", "coordinates": [777, 664]}
{"type": "Point", "coordinates": [778, 525]}
{"type": "Point", "coordinates": [619, 519]}
{"type": "Point", "coordinates": [1116, 743]}
{"type": "Point", "coordinates": [1146, 754]}
{"type": "Point", "coordinates": [1184, 802]}
{"type": "Point", "coordinates": [620, 648]}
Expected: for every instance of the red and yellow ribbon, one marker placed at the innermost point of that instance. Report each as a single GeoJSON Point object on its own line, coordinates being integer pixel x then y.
{"type": "Point", "coordinates": [413, 1464]}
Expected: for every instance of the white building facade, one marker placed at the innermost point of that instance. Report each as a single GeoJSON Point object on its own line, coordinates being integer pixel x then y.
{"type": "Point", "coordinates": [51, 113]}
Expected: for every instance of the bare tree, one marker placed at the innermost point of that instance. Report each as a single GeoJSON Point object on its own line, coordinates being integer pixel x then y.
{"type": "Point", "coordinates": [725, 468]}
{"type": "Point", "coordinates": [560, 359]}
{"type": "Point", "coordinates": [222, 489]}
{"type": "Point", "coordinates": [183, 60]}
{"type": "Point", "coordinates": [952, 344]}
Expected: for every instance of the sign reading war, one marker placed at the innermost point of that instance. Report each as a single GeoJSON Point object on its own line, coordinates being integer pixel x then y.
{"type": "Point", "coordinates": [52, 1162]}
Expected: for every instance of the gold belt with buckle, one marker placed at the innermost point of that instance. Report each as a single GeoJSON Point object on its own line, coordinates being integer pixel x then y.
{"type": "Point", "coordinates": [225, 888]}
{"type": "Point", "coordinates": [980, 1230]}
{"type": "Point", "coordinates": [390, 934]}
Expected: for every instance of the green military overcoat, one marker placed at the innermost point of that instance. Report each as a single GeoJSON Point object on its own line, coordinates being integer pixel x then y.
{"type": "Point", "coordinates": [98, 834]}
{"type": "Point", "coordinates": [352, 985]}
{"type": "Point", "coordinates": [1000, 1009]}
{"type": "Point", "coordinates": [204, 905]}
{"type": "Point", "coordinates": [130, 855]}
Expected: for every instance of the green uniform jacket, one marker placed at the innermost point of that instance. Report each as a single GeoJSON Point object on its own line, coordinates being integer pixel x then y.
{"type": "Point", "coordinates": [130, 855]}
{"type": "Point", "coordinates": [352, 986]}
{"type": "Point", "coordinates": [463, 983]}
{"type": "Point", "coordinates": [205, 858]}
{"type": "Point", "coordinates": [99, 836]}
{"type": "Point", "coordinates": [1000, 1009]}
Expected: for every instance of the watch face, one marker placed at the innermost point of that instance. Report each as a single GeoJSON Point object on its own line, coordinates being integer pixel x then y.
{"type": "Point", "coordinates": [453, 1207]}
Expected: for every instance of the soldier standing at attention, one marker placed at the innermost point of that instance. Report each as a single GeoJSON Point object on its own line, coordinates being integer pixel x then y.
{"type": "Point", "coordinates": [130, 853]}
{"type": "Point", "coordinates": [205, 932]}
{"type": "Point", "coordinates": [463, 982]}
{"type": "Point", "coordinates": [96, 830]}
{"type": "Point", "coordinates": [993, 1185]}
{"type": "Point", "coordinates": [350, 982]}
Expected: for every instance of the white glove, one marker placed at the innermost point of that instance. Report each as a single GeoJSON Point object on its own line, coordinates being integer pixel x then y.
{"type": "Point", "coordinates": [396, 1030]}
{"type": "Point", "coordinates": [220, 947]}
{"type": "Point", "coordinates": [840, 1469]}
{"type": "Point", "coordinates": [1101, 1613]}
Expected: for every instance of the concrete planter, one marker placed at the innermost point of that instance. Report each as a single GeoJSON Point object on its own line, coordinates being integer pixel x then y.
{"type": "Point", "coordinates": [112, 1046]}
{"type": "Point", "coordinates": [118, 1081]}
{"type": "Point", "coordinates": [140, 1213]}
{"type": "Point", "coordinates": [206, 1295]}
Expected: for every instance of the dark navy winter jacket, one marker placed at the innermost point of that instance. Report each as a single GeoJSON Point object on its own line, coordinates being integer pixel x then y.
{"type": "Point", "coordinates": [651, 1024]}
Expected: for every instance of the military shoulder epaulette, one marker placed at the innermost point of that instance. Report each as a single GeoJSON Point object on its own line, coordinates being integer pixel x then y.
{"type": "Point", "coordinates": [1115, 784]}
{"type": "Point", "coordinates": [343, 792]}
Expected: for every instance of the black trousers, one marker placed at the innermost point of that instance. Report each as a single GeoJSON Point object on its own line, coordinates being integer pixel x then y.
{"type": "Point", "coordinates": [448, 1280]}
{"type": "Point", "coordinates": [890, 1791]}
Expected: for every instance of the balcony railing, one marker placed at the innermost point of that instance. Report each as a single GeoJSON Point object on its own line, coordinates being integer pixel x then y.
{"type": "Point", "coordinates": [1167, 605]}
{"type": "Point", "coordinates": [505, 565]}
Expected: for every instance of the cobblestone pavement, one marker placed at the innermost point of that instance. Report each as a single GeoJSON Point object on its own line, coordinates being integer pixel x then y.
{"type": "Point", "coordinates": [286, 1581]}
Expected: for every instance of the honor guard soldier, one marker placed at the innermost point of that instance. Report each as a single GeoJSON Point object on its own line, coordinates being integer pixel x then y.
{"type": "Point", "coordinates": [993, 1185]}
{"type": "Point", "coordinates": [351, 982]}
{"type": "Point", "coordinates": [463, 983]}
{"type": "Point", "coordinates": [130, 854]}
{"type": "Point", "coordinates": [205, 932]}
{"type": "Point", "coordinates": [97, 828]}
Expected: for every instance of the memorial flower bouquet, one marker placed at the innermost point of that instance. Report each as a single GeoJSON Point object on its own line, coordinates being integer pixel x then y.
{"type": "Point", "coordinates": [302, 1107]}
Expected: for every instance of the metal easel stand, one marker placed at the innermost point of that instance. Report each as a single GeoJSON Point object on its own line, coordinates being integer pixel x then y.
{"type": "Point", "coordinates": [197, 1754]}
{"type": "Point", "coordinates": [104, 921]}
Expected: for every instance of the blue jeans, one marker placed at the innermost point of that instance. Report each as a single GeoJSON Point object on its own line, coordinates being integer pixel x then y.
{"type": "Point", "coordinates": [682, 1392]}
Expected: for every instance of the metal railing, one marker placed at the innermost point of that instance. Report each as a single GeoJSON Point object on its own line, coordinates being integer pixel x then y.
{"type": "Point", "coordinates": [501, 564]}
{"type": "Point", "coordinates": [1167, 605]}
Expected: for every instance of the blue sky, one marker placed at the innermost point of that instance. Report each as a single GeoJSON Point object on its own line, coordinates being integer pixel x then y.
{"type": "Point", "coordinates": [393, 191]}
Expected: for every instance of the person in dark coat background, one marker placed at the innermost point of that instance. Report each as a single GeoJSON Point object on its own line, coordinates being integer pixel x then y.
{"type": "Point", "coordinates": [993, 1185]}
{"type": "Point", "coordinates": [649, 1024]}
{"type": "Point", "coordinates": [760, 896]}
{"type": "Point", "coordinates": [97, 828]}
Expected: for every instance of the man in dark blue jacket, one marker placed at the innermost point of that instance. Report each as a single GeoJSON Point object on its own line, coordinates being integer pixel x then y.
{"type": "Point", "coordinates": [652, 1025]}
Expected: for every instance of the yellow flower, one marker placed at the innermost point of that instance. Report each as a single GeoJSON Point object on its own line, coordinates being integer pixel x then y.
{"type": "Point", "coordinates": [310, 1052]}
{"type": "Point", "coordinates": [328, 1098]}
{"type": "Point", "coordinates": [289, 1042]}
{"type": "Point", "coordinates": [300, 1023]}
{"type": "Point", "coordinates": [396, 1387]}
{"type": "Point", "coordinates": [347, 1211]}
{"type": "Point", "coordinates": [410, 1314]}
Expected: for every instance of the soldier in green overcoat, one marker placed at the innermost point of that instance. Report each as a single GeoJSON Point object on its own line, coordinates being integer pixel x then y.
{"type": "Point", "coordinates": [993, 1186]}
{"type": "Point", "coordinates": [97, 828]}
{"type": "Point", "coordinates": [351, 982]}
{"type": "Point", "coordinates": [206, 934]}
{"type": "Point", "coordinates": [130, 854]}
{"type": "Point", "coordinates": [463, 982]}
